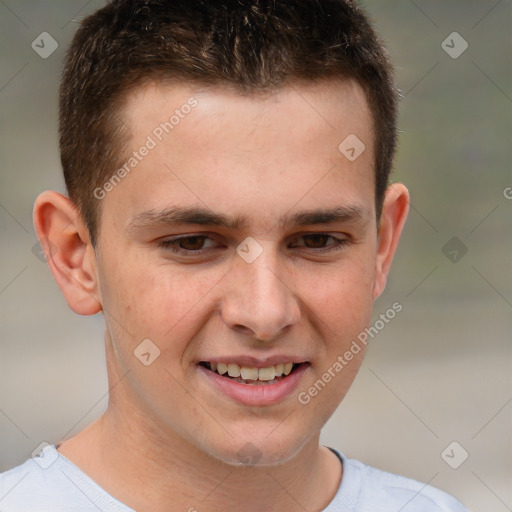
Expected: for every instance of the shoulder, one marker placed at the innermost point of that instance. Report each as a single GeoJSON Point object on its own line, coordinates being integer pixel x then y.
{"type": "Point", "coordinates": [23, 487]}
{"type": "Point", "coordinates": [51, 483]}
{"type": "Point", "coordinates": [409, 494]}
{"type": "Point", "coordinates": [373, 489]}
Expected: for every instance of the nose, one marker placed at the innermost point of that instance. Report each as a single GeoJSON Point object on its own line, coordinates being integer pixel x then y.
{"type": "Point", "coordinates": [259, 300]}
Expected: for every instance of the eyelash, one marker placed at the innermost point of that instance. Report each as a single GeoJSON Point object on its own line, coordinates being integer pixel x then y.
{"type": "Point", "coordinates": [172, 244]}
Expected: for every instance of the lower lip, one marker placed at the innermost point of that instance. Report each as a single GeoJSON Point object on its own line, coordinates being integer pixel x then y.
{"type": "Point", "coordinates": [256, 394]}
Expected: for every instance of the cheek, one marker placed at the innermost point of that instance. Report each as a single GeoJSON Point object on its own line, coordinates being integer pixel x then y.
{"type": "Point", "coordinates": [155, 301]}
{"type": "Point", "coordinates": [341, 297]}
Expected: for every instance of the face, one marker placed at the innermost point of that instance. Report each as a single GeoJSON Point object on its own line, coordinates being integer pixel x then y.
{"type": "Point", "coordinates": [242, 236]}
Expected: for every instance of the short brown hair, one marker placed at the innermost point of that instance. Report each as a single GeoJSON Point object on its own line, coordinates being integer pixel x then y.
{"type": "Point", "coordinates": [252, 45]}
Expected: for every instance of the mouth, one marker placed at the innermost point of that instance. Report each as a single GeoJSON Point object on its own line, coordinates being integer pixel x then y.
{"type": "Point", "coordinates": [251, 375]}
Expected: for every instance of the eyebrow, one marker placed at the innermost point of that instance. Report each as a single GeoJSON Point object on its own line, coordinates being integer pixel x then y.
{"type": "Point", "coordinates": [206, 217]}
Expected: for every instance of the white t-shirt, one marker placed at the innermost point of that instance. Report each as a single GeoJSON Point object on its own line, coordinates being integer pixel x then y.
{"type": "Point", "coordinates": [52, 483]}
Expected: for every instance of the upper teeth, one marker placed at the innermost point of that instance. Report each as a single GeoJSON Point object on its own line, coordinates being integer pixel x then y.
{"type": "Point", "coordinates": [252, 373]}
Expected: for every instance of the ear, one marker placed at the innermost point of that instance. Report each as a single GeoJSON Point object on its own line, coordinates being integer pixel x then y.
{"type": "Point", "coordinates": [392, 220]}
{"type": "Point", "coordinates": [69, 252]}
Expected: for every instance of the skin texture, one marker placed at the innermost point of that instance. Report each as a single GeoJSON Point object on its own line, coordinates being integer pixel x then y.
{"type": "Point", "coordinates": [169, 440]}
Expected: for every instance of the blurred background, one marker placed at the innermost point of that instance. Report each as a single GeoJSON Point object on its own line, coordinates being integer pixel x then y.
{"type": "Point", "coordinates": [433, 399]}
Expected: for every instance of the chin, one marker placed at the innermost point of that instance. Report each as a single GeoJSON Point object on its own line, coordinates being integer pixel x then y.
{"type": "Point", "coordinates": [254, 451]}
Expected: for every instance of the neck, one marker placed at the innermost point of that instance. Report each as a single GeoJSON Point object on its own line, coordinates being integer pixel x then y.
{"type": "Point", "coordinates": [149, 467]}
{"type": "Point", "coordinates": [149, 473]}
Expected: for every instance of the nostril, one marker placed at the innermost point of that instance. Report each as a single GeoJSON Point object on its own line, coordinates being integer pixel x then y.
{"type": "Point", "coordinates": [242, 329]}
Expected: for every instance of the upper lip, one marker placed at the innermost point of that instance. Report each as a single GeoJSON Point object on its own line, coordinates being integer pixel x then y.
{"type": "Point", "coordinates": [255, 362]}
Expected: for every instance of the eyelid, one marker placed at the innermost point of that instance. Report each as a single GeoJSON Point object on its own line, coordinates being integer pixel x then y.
{"type": "Point", "coordinates": [170, 243]}
{"type": "Point", "coordinates": [339, 241]}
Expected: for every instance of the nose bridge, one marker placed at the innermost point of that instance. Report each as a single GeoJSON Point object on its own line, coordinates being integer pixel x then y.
{"type": "Point", "coordinates": [259, 302]}
{"type": "Point", "coordinates": [267, 284]}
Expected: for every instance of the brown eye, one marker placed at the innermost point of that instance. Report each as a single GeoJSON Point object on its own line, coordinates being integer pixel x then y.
{"type": "Point", "coordinates": [320, 243]}
{"type": "Point", "coordinates": [188, 245]}
{"type": "Point", "coordinates": [316, 241]}
{"type": "Point", "coordinates": [191, 243]}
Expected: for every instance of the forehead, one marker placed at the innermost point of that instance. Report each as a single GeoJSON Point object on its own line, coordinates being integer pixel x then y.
{"type": "Point", "coordinates": [214, 145]}
{"type": "Point", "coordinates": [319, 105]}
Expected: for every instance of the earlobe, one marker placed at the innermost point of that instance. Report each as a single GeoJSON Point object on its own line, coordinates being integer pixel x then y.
{"type": "Point", "coordinates": [392, 220]}
{"type": "Point", "coordinates": [69, 252]}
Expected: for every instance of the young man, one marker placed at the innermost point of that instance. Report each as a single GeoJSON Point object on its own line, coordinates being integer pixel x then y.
{"type": "Point", "coordinates": [227, 164]}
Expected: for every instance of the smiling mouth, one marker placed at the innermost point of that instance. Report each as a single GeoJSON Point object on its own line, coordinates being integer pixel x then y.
{"type": "Point", "coordinates": [252, 375]}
